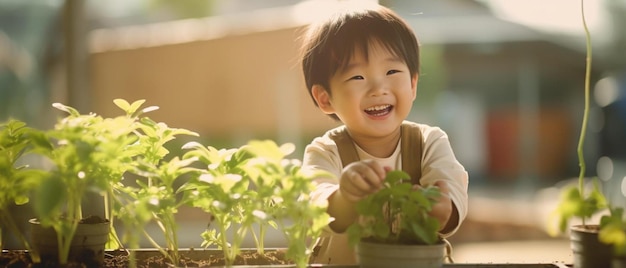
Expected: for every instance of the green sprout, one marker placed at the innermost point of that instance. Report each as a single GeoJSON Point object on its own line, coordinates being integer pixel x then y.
{"type": "Point", "coordinates": [397, 214]}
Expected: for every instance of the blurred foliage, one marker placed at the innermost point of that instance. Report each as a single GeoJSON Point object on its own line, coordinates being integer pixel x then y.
{"type": "Point", "coordinates": [185, 9]}
{"type": "Point", "coordinates": [433, 74]}
{"type": "Point", "coordinates": [28, 46]}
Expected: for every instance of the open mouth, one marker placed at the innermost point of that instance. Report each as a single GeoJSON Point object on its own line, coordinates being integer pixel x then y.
{"type": "Point", "coordinates": [379, 110]}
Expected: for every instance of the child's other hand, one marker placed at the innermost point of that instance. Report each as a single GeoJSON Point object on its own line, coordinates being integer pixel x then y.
{"type": "Point", "coordinates": [361, 178]}
{"type": "Point", "coordinates": [442, 210]}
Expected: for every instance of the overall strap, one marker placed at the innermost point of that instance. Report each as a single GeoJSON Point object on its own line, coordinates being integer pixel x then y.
{"type": "Point", "coordinates": [411, 149]}
{"type": "Point", "coordinates": [345, 146]}
{"type": "Point", "coordinates": [412, 143]}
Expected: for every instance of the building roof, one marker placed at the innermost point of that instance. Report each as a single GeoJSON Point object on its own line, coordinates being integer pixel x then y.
{"type": "Point", "coordinates": [435, 22]}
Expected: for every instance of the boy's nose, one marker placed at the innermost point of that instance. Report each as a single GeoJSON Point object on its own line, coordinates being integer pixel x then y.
{"type": "Point", "coordinates": [379, 88]}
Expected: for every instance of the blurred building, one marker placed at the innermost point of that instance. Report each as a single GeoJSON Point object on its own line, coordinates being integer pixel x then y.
{"type": "Point", "coordinates": [509, 95]}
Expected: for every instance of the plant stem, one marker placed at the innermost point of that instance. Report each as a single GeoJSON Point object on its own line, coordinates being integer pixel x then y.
{"type": "Point", "coordinates": [156, 245]}
{"type": "Point", "coordinates": [7, 221]}
{"type": "Point", "coordinates": [134, 244]}
{"type": "Point", "coordinates": [581, 141]}
{"type": "Point", "coordinates": [107, 210]}
{"type": "Point", "coordinates": [238, 234]}
{"type": "Point", "coordinates": [65, 234]}
{"type": "Point", "coordinates": [229, 258]}
{"type": "Point", "coordinates": [165, 226]}
{"type": "Point", "coordinates": [260, 239]}
{"type": "Point", "coordinates": [172, 238]}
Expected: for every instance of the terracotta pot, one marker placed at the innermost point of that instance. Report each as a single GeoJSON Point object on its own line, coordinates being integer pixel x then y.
{"type": "Point", "coordinates": [87, 245]}
{"type": "Point", "coordinates": [588, 251]}
{"type": "Point", "coordinates": [400, 256]}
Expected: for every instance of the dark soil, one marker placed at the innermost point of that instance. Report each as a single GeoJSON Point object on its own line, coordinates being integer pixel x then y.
{"type": "Point", "coordinates": [198, 258]}
{"type": "Point", "coordinates": [15, 259]}
{"type": "Point", "coordinates": [93, 220]}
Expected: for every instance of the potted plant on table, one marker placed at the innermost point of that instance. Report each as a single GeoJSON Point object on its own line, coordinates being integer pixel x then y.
{"type": "Point", "coordinates": [589, 249]}
{"type": "Point", "coordinates": [396, 229]}
{"type": "Point", "coordinates": [86, 153]}
{"type": "Point", "coordinates": [90, 153]}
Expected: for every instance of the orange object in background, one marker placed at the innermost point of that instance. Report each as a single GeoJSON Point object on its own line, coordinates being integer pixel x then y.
{"type": "Point", "coordinates": [549, 148]}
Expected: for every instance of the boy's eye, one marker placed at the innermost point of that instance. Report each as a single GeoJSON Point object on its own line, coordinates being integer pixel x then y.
{"type": "Point", "coordinates": [356, 77]}
{"type": "Point", "coordinates": [392, 72]}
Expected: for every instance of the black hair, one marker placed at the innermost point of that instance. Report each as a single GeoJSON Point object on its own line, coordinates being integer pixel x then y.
{"type": "Point", "coordinates": [329, 45]}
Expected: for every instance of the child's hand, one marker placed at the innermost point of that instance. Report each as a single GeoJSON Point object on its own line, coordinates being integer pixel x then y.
{"type": "Point", "coordinates": [442, 210]}
{"type": "Point", "coordinates": [361, 178]}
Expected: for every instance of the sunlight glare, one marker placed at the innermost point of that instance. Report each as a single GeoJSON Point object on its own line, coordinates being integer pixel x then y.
{"type": "Point", "coordinates": [552, 16]}
{"type": "Point", "coordinates": [606, 91]}
{"type": "Point", "coordinates": [605, 168]}
{"type": "Point", "coordinates": [314, 10]}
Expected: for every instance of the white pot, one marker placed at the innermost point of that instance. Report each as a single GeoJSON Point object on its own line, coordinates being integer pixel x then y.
{"type": "Point", "coordinates": [87, 244]}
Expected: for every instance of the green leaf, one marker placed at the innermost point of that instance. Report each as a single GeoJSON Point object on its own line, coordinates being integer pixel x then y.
{"type": "Point", "coordinates": [112, 241]}
{"type": "Point", "coordinates": [66, 109]}
{"type": "Point", "coordinates": [427, 232]}
{"type": "Point", "coordinates": [193, 145]}
{"type": "Point", "coordinates": [49, 196]}
{"type": "Point", "coordinates": [287, 148]}
{"type": "Point", "coordinates": [381, 230]}
{"type": "Point", "coordinates": [265, 148]}
{"type": "Point", "coordinates": [135, 106]}
{"type": "Point", "coordinates": [149, 109]}
{"type": "Point", "coordinates": [21, 200]}
{"type": "Point", "coordinates": [612, 234]}
{"type": "Point", "coordinates": [396, 176]}
{"type": "Point", "coordinates": [124, 105]}
{"type": "Point", "coordinates": [613, 230]}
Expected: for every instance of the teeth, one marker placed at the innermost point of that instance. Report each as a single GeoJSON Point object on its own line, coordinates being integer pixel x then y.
{"type": "Point", "coordinates": [377, 108]}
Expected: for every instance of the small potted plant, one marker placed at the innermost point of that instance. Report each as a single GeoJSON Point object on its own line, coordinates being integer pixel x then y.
{"type": "Point", "coordinates": [91, 153]}
{"type": "Point", "coordinates": [86, 153]}
{"type": "Point", "coordinates": [583, 202]}
{"type": "Point", "coordinates": [395, 228]}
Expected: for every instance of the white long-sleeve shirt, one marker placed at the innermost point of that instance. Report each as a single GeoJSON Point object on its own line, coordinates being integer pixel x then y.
{"type": "Point", "coordinates": [438, 163]}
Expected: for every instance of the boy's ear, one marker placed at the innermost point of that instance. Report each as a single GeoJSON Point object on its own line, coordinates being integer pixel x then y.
{"type": "Point", "coordinates": [414, 85]}
{"type": "Point", "coordinates": [322, 98]}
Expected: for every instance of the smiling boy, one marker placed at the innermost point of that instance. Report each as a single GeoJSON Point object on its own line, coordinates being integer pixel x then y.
{"type": "Point", "coordinates": [361, 67]}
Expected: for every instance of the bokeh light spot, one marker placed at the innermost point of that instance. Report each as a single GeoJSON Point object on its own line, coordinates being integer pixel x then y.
{"type": "Point", "coordinates": [606, 91]}
{"type": "Point", "coordinates": [605, 168]}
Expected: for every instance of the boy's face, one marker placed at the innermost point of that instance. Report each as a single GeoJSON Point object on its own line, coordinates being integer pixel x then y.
{"type": "Point", "coordinates": [371, 96]}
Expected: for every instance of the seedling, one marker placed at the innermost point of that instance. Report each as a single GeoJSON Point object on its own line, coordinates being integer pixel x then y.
{"type": "Point", "coordinates": [397, 214]}
{"type": "Point", "coordinates": [88, 153]}
{"type": "Point", "coordinates": [255, 185]}
{"type": "Point", "coordinates": [16, 180]}
{"type": "Point", "coordinates": [154, 196]}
